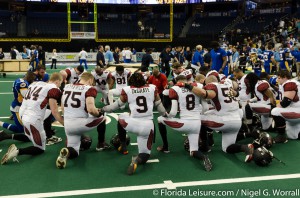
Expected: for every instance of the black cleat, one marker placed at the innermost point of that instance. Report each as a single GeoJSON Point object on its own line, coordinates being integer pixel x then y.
{"type": "Point", "coordinates": [280, 139]}
{"type": "Point", "coordinates": [3, 135]}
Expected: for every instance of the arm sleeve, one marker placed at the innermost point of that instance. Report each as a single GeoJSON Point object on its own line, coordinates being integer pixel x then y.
{"type": "Point", "coordinates": [91, 92]}
{"type": "Point", "coordinates": [54, 93]}
{"type": "Point", "coordinates": [173, 94]}
{"type": "Point", "coordinates": [290, 86]}
{"type": "Point", "coordinates": [263, 87]}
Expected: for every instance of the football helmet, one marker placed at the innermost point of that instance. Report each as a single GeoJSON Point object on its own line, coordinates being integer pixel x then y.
{"type": "Point", "coordinates": [86, 142]}
{"type": "Point", "coordinates": [115, 141]}
{"type": "Point", "coordinates": [262, 156]}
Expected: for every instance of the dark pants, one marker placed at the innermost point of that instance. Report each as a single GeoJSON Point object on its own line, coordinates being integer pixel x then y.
{"type": "Point", "coordinates": [165, 68]}
{"type": "Point", "coordinates": [53, 63]}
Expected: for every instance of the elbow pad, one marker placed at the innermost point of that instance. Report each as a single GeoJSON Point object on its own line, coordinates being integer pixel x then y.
{"type": "Point", "coordinates": [285, 102]}
{"type": "Point", "coordinates": [160, 107]}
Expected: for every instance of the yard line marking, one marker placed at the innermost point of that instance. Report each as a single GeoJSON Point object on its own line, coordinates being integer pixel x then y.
{"type": "Point", "coordinates": [152, 161]}
{"type": "Point", "coordinates": [154, 186]}
{"type": "Point", "coordinates": [170, 185]}
{"type": "Point", "coordinates": [6, 93]}
{"type": "Point", "coordinates": [4, 117]}
{"type": "Point", "coordinates": [0, 150]}
{"type": "Point", "coordinates": [6, 81]}
{"type": "Point", "coordinates": [134, 144]}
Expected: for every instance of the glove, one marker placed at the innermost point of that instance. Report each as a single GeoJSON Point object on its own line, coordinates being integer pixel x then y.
{"type": "Point", "coordinates": [188, 86]}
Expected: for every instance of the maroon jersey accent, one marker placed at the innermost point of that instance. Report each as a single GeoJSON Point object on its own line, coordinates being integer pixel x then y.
{"type": "Point", "coordinates": [215, 100]}
{"type": "Point", "coordinates": [123, 123]}
{"type": "Point", "coordinates": [150, 140]}
{"type": "Point", "coordinates": [188, 77]}
{"type": "Point", "coordinates": [123, 93]}
{"type": "Point", "coordinates": [263, 87]}
{"type": "Point", "coordinates": [44, 103]}
{"type": "Point", "coordinates": [173, 94]}
{"type": "Point", "coordinates": [261, 110]}
{"type": "Point", "coordinates": [68, 74]}
{"type": "Point", "coordinates": [91, 92]}
{"type": "Point", "coordinates": [95, 122]}
{"type": "Point", "coordinates": [290, 86]}
{"type": "Point", "coordinates": [36, 135]}
{"type": "Point", "coordinates": [27, 131]}
{"type": "Point", "coordinates": [290, 115]}
{"type": "Point", "coordinates": [211, 124]}
{"type": "Point", "coordinates": [54, 93]}
{"type": "Point", "coordinates": [173, 124]}
{"type": "Point", "coordinates": [109, 75]}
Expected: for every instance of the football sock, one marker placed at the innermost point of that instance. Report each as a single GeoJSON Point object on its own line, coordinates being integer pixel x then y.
{"type": "Point", "coordinates": [163, 132]}
{"type": "Point", "coordinates": [122, 133]}
{"type": "Point", "coordinates": [234, 148]}
{"type": "Point", "coordinates": [72, 153]}
{"type": "Point", "coordinates": [30, 151]}
{"type": "Point", "coordinates": [142, 158]}
{"type": "Point", "coordinates": [10, 127]}
{"type": "Point", "coordinates": [20, 137]}
{"type": "Point", "coordinates": [101, 129]}
{"type": "Point", "coordinates": [197, 155]}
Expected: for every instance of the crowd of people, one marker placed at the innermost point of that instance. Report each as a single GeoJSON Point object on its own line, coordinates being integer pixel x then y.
{"type": "Point", "coordinates": [209, 90]}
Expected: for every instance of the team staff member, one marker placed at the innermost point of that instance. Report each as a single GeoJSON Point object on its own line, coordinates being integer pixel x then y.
{"type": "Point", "coordinates": [116, 55]}
{"type": "Point", "coordinates": [164, 58]}
{"type": "Point", "coordinates": [146, 60]}
{"type": "Point", "coordinates": [159, 80]}
{"type": "Point", "coordinates": [218, 57]}
{"type": "Point", "coordinates": [197, 60]}
{"type": "Point", "coordinates": [100, 57]}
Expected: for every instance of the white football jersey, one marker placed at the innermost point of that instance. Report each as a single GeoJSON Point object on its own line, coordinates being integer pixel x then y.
{"type": "Point", "coordinates": [187, 73]}
{"type": "Point", "coordinates": [260, 87]}
{"type": "Point", "coordinates": [121, 80]}
{"type": "Point", "coordinates": [189, 103]}
{"type": "Point", "coordinates": [37, 97]}
{"type": "Point", "coordinates": [101, 80]}
{"type": "Point", "coordinates": [244, 93]}
{"type": "Point", "coordinates": [222, 102]}
{"type": "Point", "coordinates": [290, 85]}
{"type": "Point", "coordinates": [140, 100]}
{"type": "Point", "coordinates": [72, 77]}
{"type": "Point", "coordinates": [74, 100]}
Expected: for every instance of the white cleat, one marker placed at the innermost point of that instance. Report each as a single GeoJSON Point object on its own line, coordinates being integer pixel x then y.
{"type": "Point", "coordinates": [12, 153]}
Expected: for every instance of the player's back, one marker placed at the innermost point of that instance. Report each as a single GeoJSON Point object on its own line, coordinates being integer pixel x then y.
{"type": "Point", "coordinates": [74, 100]}
{"type": "Point", "coordinates": [223, 103]}
{"type": "Point", "coordinates": [140, 100]}
{"type": "Point", "coordinates": [189, 103]}
{"type": "Point", "coordinates": [260, 88]}
{"type": "Point", "coordinates": [101, 80]}
{"type": "Point", "coordinates": [267, 56]}
{"type": "Point", "coordinates": [291, 85]}
{"type": "Point", "coordinates": [37, 98]}
{"type": "Point", "coordinates": [244, 93]}
{"type": "Point", "coordinates": [121, 80]}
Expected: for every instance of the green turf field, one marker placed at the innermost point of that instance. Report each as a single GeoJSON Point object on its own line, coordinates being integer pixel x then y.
{"type": "Point", "coordinates": [103, 174]}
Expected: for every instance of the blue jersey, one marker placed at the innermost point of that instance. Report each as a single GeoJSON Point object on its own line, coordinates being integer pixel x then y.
{"type": "Point", "coordinates": [273, 80]}
{"type": "Point", "coordinates": [229, 53]}
{"type": "Point", "coordinates": [267, 56]}
{"type": "Point", "coordinates": [285, 59]}
{"type": "Point", "coordinates": [19, 85]}
{"type": "Point", "coordinates": [217, 58]}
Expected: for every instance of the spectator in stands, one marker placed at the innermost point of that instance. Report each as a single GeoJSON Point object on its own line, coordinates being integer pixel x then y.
{"type": "Point", "coordinates": [296, 54]}
{"type": "Point", "coordinates": [146, 60]}
{"type": "Point", "coordinates": [17, 52]}
{"type": "Point", "coordinates": [218, 57]}
{"type": "Point", "coordinates": [82, 57]}
{"type": "Point", "coordinates": [197, 60]}
{"type": "Point", "coordinates": [35, 32]}
{"type": "Point", "coordinates": [109, 55]}
{"type": "Point", "coordinates": [116, 55]}
{"type": "Point", "coordinates": [13, 54]}
{"type": "Point", "coordinates": [100, 57]}
{"type": "Point", "coordinates": [164, 58]}
{"type": "Point", "coordinates": [54, 59]}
